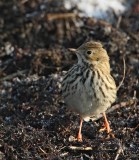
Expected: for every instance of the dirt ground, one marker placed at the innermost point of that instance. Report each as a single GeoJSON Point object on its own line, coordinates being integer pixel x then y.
{"type": "Point", "coordinates": [34, 122]}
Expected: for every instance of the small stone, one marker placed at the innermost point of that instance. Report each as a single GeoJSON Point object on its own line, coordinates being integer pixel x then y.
{"type": "Point", "coordinates": [72, 139]}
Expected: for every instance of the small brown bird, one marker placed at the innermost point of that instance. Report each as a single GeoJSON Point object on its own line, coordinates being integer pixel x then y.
{"type": "Point", "coordinates": [88, 87]}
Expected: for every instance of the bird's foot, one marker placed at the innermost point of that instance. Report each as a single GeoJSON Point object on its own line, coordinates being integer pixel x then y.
{"type": "Point", "coordinates": [79, 137]}
{"type": "Point", "coordinates": [106, 127]}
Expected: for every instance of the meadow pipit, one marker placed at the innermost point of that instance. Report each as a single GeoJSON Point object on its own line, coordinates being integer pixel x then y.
{"type": "Point", "coordinates": [88, 87]}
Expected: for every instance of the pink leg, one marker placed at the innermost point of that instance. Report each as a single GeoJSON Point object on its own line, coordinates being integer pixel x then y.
{"type": "Point", "coordinates": [79, 137]}
{"type": "Point", "coordinates": [106, 123]}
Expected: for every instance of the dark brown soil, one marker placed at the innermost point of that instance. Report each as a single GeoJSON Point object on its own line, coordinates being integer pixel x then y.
{"type": "Point", "coordinates": [34, 122]}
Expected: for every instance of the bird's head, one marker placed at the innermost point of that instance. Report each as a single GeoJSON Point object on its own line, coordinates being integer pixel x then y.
{"type": "Point", "coordinates": [94, 54]}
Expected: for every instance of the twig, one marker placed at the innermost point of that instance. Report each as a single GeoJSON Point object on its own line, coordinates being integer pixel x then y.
{"type": "Point", "coordinates": [53, 16]}
{"type": "Point", "coordinates": [18, 73]}
{"type": "Point", "coordinates": [118, 21]}
{"type": "Point", "coordinates": [42, 150]}
{"type": "Point", "coordinates": [80, 148]}
{"type": "Point", "coordinates": [134, 36]}
{"type": "Point", "coordinates": [135, 128]}
{"type": "Point", "coordinates": [123, 74]}
{"type": "Point", "coordinates": [118, 153]}
{"type": "Point", "coordinates": [120, 150]}
{"type": "Point", "coordinates": [135, 97]}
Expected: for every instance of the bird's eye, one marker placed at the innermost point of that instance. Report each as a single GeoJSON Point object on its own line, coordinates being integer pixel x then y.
{"type": "Point", "coordinates": [97, 59]}
{"type": "Point", "coordinates": [89, 52]}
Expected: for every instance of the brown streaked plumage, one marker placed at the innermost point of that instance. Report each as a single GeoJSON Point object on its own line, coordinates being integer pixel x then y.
{"type": "Point", "coordinates": [88, 87]}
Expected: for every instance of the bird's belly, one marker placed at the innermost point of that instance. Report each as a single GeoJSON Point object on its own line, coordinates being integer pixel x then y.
{"type": "Point", "coordinates": [79, 103]}
{"type": "Point", "coordinates": [88, 104]}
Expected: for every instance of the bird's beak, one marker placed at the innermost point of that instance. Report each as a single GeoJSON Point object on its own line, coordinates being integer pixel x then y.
{"type": "Point", "coordinates": [72, 49]}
